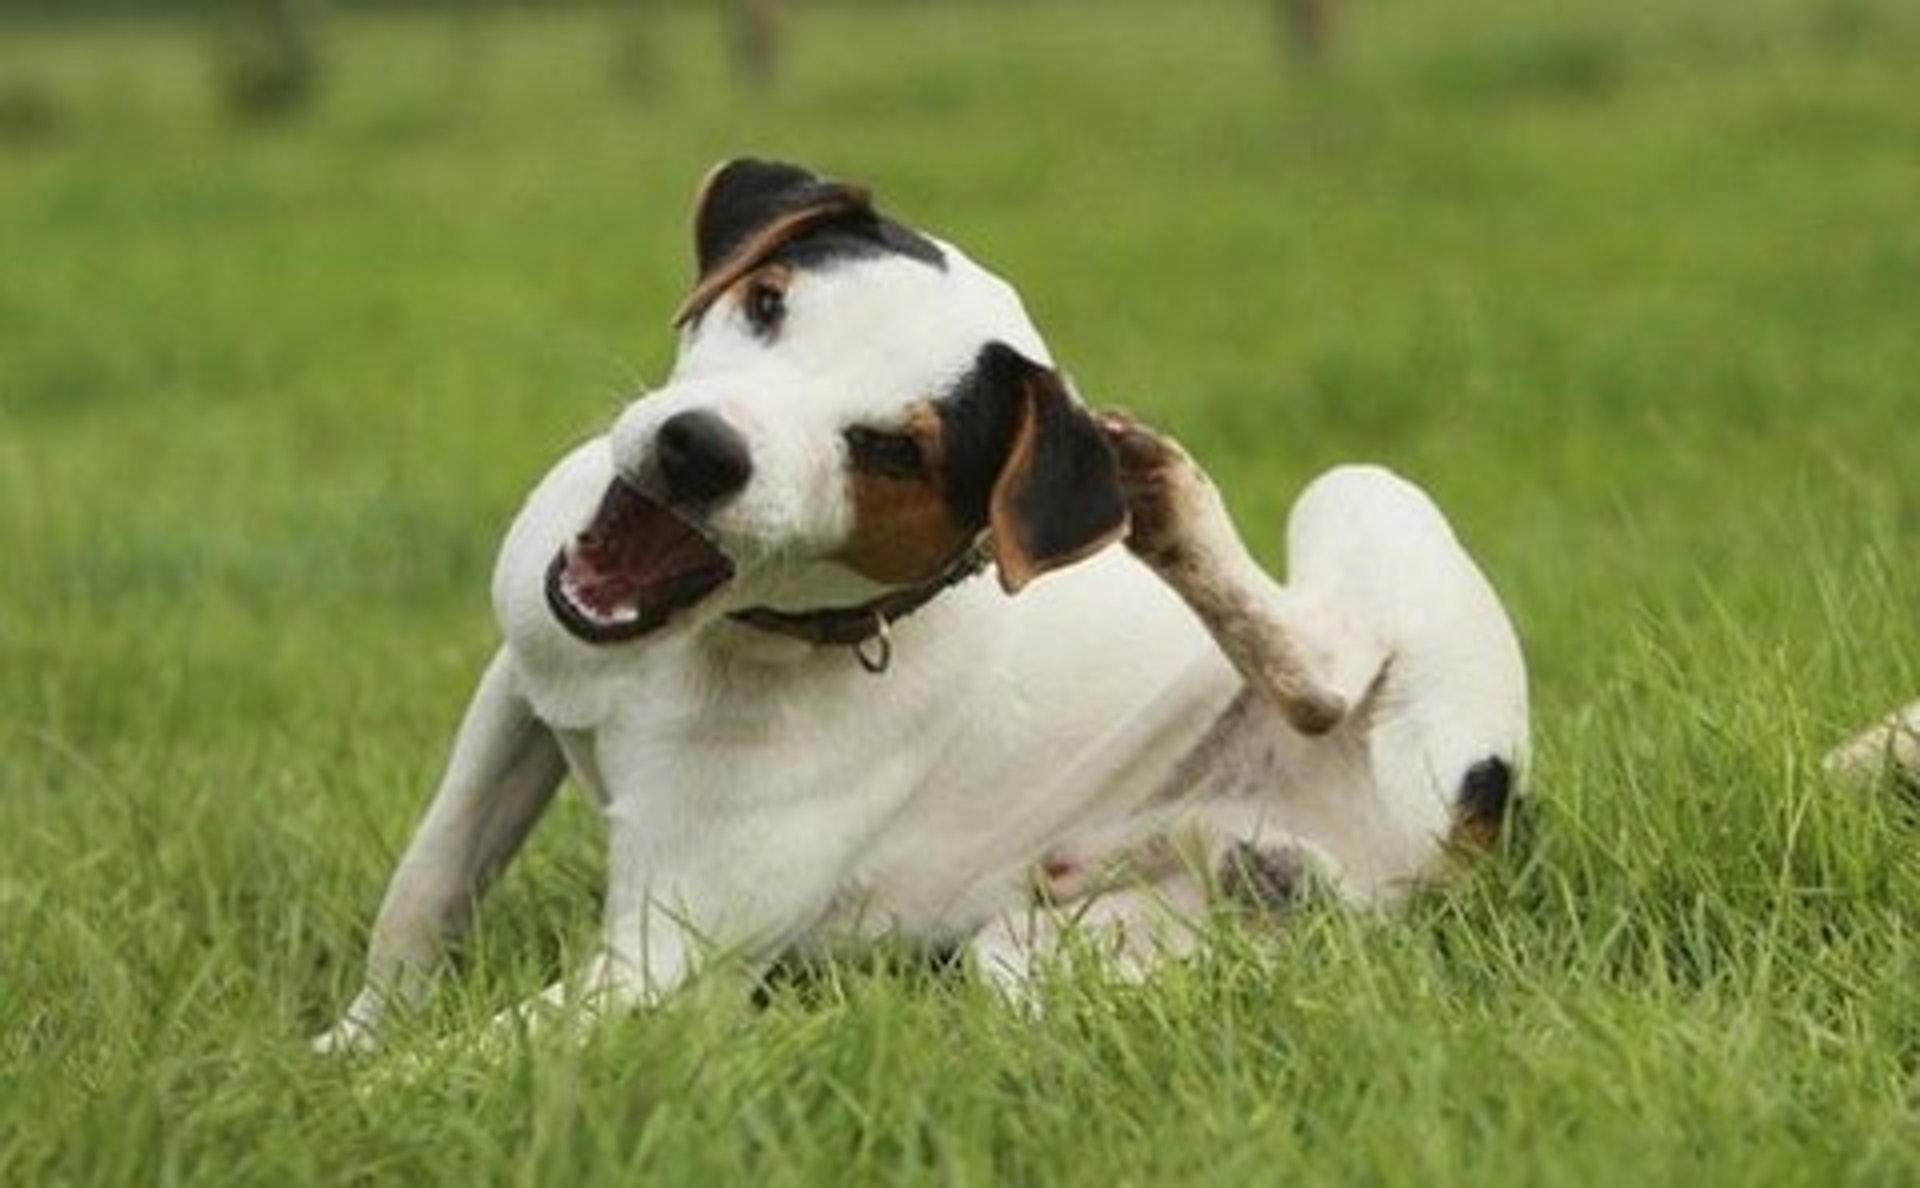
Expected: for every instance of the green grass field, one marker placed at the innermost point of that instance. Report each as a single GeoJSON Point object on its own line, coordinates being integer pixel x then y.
{"type": "Point", "coordinates": [1633, 288]}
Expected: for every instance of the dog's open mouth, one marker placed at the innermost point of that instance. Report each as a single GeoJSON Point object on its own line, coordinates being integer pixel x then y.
{"type": "Point", "coordinates": [631, 569]}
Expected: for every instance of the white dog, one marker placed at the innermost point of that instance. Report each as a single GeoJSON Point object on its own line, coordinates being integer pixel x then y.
{"type": "Point", "coordinates": [1887, 750]}
{"type": "Point", "coordinates": [752, 622]}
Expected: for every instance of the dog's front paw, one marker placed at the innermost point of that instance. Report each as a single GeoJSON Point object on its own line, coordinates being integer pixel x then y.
{"type": "Point", "coordinates": [1175, 513]}
{"type": "Point", "coordinates": [348, 1037]}
{"type": "Point", "coordinates": [358, 1031]}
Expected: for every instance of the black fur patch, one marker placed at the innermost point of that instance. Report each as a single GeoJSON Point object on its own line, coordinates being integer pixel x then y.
{"type": "Point", "coordinates": [747, 195]}
{"type": "Point", "coordinates": [1266, 879]}
{"type": "Point", "coordinates": [857, 237]}
{"type": "Point", "coordinates": [978, 416]}
{"type": "Point", "coordinates": [1022, 454]}
{"type": "Point", "coordinates": [1066, 498]}
{"type": "Point", "coordinates": [1486, 791]}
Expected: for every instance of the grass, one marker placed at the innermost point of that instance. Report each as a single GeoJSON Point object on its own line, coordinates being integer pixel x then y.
{"type": "Point", "coordinates": [1630, 287]}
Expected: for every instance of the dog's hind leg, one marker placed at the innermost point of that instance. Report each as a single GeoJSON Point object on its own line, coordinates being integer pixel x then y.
{"type": "Point", "coordinates": [500, 777]}
{"type": "Point", "coordinates": [1385, 621]}
{"type": "Point", "coordinates": [1311, 662]}
{"type": "Point", "coordinates": [1130, 908]}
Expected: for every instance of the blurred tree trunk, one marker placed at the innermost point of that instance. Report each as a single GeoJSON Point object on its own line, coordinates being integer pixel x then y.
{"type": "Point", "coordinates": [270, 67]}
{"type": "Point", "coordinates": [755, 34]}
{"type": "Point", "coordinates": [1309, 26]}
{"type": "Point", "coordinates": [638, 63]}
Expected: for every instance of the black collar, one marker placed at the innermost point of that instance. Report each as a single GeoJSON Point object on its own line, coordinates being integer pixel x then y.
{"type": "Point", "coordinates": [863, 627]}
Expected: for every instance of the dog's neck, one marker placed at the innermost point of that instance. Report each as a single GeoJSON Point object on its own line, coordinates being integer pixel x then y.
{"type": "Point", "coordinates": [864, 626]}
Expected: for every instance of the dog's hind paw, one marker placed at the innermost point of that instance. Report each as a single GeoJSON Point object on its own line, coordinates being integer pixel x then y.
{"type": "Point", "coordinates": [1180, 529]}
{"type": "Point", "coordinates": [1177, 520]}
{"type": "Point", "coordinates": [348, 1037]}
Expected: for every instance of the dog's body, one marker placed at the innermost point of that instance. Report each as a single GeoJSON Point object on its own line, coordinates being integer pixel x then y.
{"type": "Point", "coordinates": [1888, 750]}
{"type": "Point", "coordinates": [746, 622]}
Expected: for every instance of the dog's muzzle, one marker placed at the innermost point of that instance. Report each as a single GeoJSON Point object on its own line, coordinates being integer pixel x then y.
{"type": "Point", "coordinates": [633, 567]}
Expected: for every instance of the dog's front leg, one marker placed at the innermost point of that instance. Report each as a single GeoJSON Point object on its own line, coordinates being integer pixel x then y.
{"type": "Point", "coordinates": [502, 774]}
{"type": "Point", "coordinates": [687, 898]}
{"type": "Point", "coordinates": [663, 921]}
{"type": "Point", "coordinates": [639, 963]}
{"type": "Point", "coordinates": [1314, 664]}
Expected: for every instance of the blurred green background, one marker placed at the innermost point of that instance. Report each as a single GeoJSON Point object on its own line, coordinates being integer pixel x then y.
{"type": "Point", "coordinates": [296, 300]}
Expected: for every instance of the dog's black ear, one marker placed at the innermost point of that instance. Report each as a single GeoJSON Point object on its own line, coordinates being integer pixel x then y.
{"type": "Point", "coordinates": [748, 208]}
{"type": "Point", "coordinates": [1057, 498]}
{"type": "Point", "coordinates": [741, 199]}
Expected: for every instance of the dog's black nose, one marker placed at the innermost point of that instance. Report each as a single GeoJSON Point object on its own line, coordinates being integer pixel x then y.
{"type": "Point", "coordinates": [701, 457]}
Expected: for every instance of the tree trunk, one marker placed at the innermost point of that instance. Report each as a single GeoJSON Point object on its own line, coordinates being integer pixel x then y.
{"type": "Point", "coordinates": [1309, 26]}
{"type": "Point", "coordinates": [755, 34]}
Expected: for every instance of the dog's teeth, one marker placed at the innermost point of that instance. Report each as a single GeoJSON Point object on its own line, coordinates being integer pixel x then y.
{"type": "Point", "coordinates": [614, 617]}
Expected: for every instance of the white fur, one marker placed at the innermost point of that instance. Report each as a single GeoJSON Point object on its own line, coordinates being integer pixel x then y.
{"type": "Point", "coordinates": [763, 796]}
{"type": "Point", "coordinates": [1890, 748]}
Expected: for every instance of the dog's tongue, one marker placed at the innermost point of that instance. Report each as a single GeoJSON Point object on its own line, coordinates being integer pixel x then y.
{"type": "Point", "coordinates": [631, 569]}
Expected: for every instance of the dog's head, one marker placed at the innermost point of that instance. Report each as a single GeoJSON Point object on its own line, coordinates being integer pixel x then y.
{"type": "Point", "coordinates": [853, 407]}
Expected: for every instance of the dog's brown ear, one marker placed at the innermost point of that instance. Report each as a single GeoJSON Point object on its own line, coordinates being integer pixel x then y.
{"type": "Point", "coordinates": [1057, 498]}
{"type": "Point", "coordinates": [747, 209]}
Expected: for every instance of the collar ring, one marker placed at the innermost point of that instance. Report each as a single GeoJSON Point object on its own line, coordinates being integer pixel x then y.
{"type": "Point", "coordinates": [875, 652]}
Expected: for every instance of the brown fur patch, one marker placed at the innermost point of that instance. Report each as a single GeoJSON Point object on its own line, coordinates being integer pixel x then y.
{"type": "Point", "coordinates": [904, 529]}
{"type": "Point", "coordinates": [1472, 838]}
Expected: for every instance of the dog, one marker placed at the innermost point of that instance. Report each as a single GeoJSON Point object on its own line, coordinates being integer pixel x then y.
{"type": "Point", "coordinates": [1886, 752]}
{"type": "Point", "coordinates": [865, 627]}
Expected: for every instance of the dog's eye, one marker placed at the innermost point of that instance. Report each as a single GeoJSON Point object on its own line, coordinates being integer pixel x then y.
{"type": "Point", "coordinates": [766, 307]}
{"type": "Point", "coordinates": [890, 455]}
